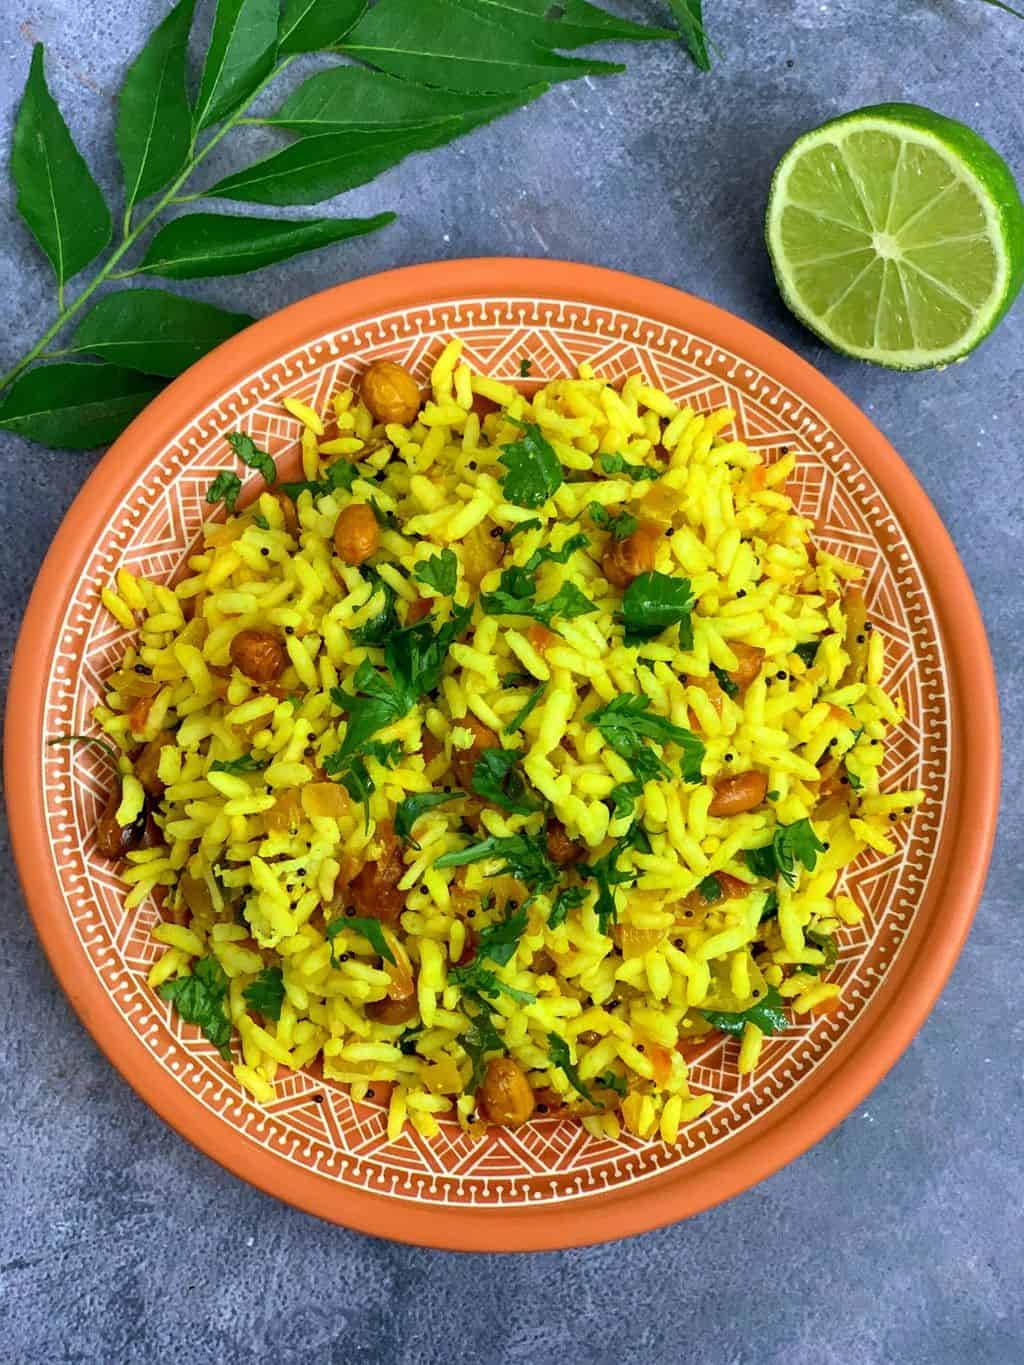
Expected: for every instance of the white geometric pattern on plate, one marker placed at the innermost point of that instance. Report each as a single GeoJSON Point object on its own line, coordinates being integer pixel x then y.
{"type": "Point", "coordinates": [315, 1123]}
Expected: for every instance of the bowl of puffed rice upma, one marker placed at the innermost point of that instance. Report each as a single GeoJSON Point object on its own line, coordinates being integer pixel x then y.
{"type": "Point", "coordinates": [507, 757]}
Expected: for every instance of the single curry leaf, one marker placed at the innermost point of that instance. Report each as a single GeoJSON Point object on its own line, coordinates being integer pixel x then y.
{"type": "Point", "coordinates": [569, 24]}
{"type": "Point", "coordinates": [57, 195]}
{"type": "Point", "coordinates": [524, 856]}
{"type": "Point", "coordinates": [443, 44]}
{"type": "Point", "coordinates": [317, 168]}
{"type": "Point", "coordinates": [154, 119]}
{"type": "Point", "coordinates": [347, 97]}
{"type": "Point", "coordinates": [75, 407]}
{"type": "Point", "coordinates": [266, 993]}
{"type": "Point", "coordinates": [689, 15]}
{"type": "Point", "coordinates": [154, 331]}
{"type": "Point", "coordinates": [312, 25]}
{"type": "Point", "coordinates": [243, 44]}
{"type": "Point", "coordinates": [199, 245]}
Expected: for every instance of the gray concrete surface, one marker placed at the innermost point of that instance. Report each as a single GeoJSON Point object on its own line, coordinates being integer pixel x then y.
{"type": "Point", "coordinates": [897, 1240]}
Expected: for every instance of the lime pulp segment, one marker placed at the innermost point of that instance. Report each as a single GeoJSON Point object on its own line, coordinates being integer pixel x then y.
{"type": "Point", "coordinates": [888, 242]}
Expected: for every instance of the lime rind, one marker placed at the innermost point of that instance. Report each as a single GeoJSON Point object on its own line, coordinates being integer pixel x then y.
{"type": "Point", "coordinates": [896, 235]}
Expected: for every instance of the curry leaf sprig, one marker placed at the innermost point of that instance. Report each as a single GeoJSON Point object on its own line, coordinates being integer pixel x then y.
{"type": "Point", "coordinates": [413, 75]}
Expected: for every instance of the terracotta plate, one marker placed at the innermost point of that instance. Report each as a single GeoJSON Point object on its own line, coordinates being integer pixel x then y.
{"type": "Point", "coordinates": [550, 1184]}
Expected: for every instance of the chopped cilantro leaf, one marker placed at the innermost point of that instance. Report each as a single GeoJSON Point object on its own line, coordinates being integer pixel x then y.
{"type": "Point", "coordinates": [521, 716]}
{"type": "Point", "coordinates": [627, 726]}
{"type": "Point", "coordinates": [440, 572]}
{"type": "Point", "coordinates": [826, 943]}
{"type": "Point", "coordinates": [768, 1015]}
{"type": "Point", "coordinates": [567, 603]}
{"type": "Point", "coordinates": [410, 808]}
{"type": "Point", "coordinates": [516, 679]}
{"type": "Point", "coordinates": [266, 993]}
{"type": "Point", "coordinates": [855, 782]}
{"type": "Point", "coordinates": [609, 1081]}
{"type": "Point", "coordinates": [770, 908]}
{"type": "Point", "coordinates": [496, 777]}
{"type": "Point", "coordinates": [379, 629]}
{"type": "Point", "coordinates": [499, 941]}
{"type": "Point", "coordinates": [808, 651]}
{"type": "Point", "coordinates": [711, 889]}
{"type": "Point", "coordinates": [530, 524]}
{"type": "Point", "coordinates": [479, 981]}
{"type": "Point", "coordinates": [260, 520]}
{"type": "Point", "coordinates": [561, 1057]}
{"type": "Point", "coordinates": [620, 524]}
{"type": "Point", "coordinates": [725, 682]}
{"type": "Point", "coordinates": [248, 763]}
{"type": "Point", "coordinates": [480, 1039]}
{"type": "Point", "coordinates": [571, 898]}
{"type": "Point", "coordinates": [608, 875]}
{"type": "Point", "coordinates": [250, 454]}
{"type": "Point", "coordinates": [386, 520]}
{"type": "Point", "coordinates": [341, 474]}
{"type": "Point", "coordinates": [618, 464]}
{"type": "Point", "coordinates": [226, 488]}
{"type": "Point", "coordinates": [408, 1039]}
{"type": "Point", "coordinates": [534, 473]}
{"type": "Point", "coordinates": [525, 856]}
{"type": "Point", "coordinates": [201, 998]}
{"type": "Point", "coordinates": [370, 929]}
{"type": "Point", "coordinates": [652, 603]}
{"type": "Point", "coordinates": [790, 844]}
{"type": "Point", "coordinates": [624, 797]}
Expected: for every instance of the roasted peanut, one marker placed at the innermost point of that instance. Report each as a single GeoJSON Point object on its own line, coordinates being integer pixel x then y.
{"type": "Point", "coordinates": [389, 1011]}
{"type": "Point", "coordinates": [288, 512]}
{"type": "Point", "coordinates": [417, 610]}
{"type": "Point", "coordinates": [374, 890]}
{"type": "Point", "coordinates": [390, 393]}
{"type": "Point", "coordinates": [148, 761]}
{"type": "Point", "coordinates": [114, 840]}
{"type": "Point", "coordinates": [561, 849]}
{"type": "Point", "coordinates": [356, 533]}
{"type": "Point", "coordinates": [464, 760]}
{"type": "Point", "coordinates": [742, 792]}
{"type": "Point", "coordinates": [627, 559]}
{"type": "Point", "coordinates": [259, 654]}
{"type": "Point", "coordinates": [748, 663]}
{"type": "Point", "coordinates": [505, 1096]}
{"type": "Point", "coordinates": [541, 638]}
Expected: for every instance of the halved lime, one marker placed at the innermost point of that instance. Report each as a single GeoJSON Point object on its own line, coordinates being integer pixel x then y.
{"type": "Point", "coordinates": [897, 235]}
